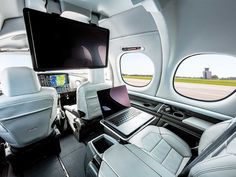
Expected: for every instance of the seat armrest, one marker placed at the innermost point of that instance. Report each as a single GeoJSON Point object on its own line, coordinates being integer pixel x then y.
{"type": "Point", "coordinates": [197, 123]}
{"type": "Point", "coordinates": [73, 110]}
{"type": "Point", "coordinates": [70, 108]}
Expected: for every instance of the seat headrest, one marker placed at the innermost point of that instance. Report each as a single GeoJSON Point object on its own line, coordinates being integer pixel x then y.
{"type": "Point", "coordinates": [19, 81]}
{"type": "Point", "coordinates": [96, 76]}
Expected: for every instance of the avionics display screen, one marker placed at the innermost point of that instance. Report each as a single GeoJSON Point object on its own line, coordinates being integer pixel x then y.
{"type": "Point", "coordinates": [53, 80]}
{"type": "Point", "coordinates": [58, 43]}
{"type": "Point", "coordinates": [58, 80]}
{"type": "Point", "coordinates": [113, 100]}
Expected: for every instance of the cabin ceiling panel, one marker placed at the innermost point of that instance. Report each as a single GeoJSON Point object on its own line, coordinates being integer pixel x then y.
{"type": "Point", "coordinates": [205, 26]}
{"type": "Point", "coordinates": [135, 21]}
{"type": "Point", "coordinates": [10, 9]}
{"type": "Point", "coordinates": [104, 7]}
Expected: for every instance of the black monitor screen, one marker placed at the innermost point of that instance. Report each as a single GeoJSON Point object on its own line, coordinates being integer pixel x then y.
{"type": "Point", "coordinates": [113, 100]}
{"type": "Point", "coordinates": [59, 43]}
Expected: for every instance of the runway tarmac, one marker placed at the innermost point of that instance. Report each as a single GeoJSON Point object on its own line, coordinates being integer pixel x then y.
{"type": "Point", "coordinates": [204, 91]}
{"type": "Point", "coordinates": [197, 91]}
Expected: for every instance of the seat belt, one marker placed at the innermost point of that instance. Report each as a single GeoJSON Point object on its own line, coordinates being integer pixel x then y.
{"type": "Point", "coordinates": [219, 141]}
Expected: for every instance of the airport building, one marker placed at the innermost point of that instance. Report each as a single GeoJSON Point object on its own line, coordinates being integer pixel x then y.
{"type": "Point", "coordinates": [207, 74]}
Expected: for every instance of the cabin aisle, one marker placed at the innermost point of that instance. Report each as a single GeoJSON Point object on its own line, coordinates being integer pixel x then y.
{"type": "Point", "coordinates": [72, 157]}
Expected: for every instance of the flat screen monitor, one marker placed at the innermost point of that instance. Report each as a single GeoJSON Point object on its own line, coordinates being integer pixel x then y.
{"type": "Point", "coordinates": [113, 100]}
{"type": "Point", "coordinates": [58, 43]}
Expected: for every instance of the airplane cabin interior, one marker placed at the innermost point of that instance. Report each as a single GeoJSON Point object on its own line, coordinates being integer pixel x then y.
{"type": "Point", "coordinates": [107, 88]}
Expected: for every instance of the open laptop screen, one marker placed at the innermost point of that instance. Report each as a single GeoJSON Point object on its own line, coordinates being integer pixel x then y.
{"type": "Point", "coordinates": [113, 100]}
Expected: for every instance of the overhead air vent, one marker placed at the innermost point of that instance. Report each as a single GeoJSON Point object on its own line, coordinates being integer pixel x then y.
{"type": "Point", "coordinates": [132, 48]}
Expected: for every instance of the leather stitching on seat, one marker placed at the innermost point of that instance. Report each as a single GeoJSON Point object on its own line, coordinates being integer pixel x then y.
{"type": "Point", "coordinates": [143, 161]}
{"type": "Point", "coordinates": [179, 165]}
{"type": "Point", "coordinates": [163, 139]}
{"type": "Point", "coordinates": [166, 155]}
{"type": "Point", "coordinates": [182, 158]}
{"type": "Point", "coordinates": [167, 134]}
{"type": "Point", "coordinates": [147, 153]}
{"type": "Point", "coordinates": [186, 148]}
{"type": "Point", "coordinates": [156, 145]}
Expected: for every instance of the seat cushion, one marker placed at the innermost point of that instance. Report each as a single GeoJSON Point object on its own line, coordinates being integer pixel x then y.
{"type": "Point", "coordinates": [130, 161]}
{"type": "Point", "coordinates": [164, 146]}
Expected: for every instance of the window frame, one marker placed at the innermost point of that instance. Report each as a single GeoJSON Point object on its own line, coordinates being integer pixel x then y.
{"type": "Point", "coordinates": [131, 84]}
{"type": "Point", "coordinates": [173, 80]}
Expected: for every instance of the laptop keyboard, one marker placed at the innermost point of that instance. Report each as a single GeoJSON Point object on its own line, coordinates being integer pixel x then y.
{"type": "Point", "coordinates": [124, 117]}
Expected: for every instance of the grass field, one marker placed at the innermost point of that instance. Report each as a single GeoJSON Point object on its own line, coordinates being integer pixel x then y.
{"type": "Point", "coordinates": [189, 80]}
{"type": "Point", "coordinates": [207, 81]}
{"type": "Point", "coordinates": [137, 77]}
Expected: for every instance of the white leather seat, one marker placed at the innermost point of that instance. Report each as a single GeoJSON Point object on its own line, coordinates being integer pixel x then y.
{"type": "Point", "coordinates": [130, 161]}
{"type": "Point", "coordinates": [222, 162]}
{"type": "Point", "coordinates": [153, 152]}
{"type": "Point", "coordinates": [164, 146]}
{"type": "Point", "coordinates": [158, 152]}
{"type": "Point", "coordinates": [27, 110]}
{"type": "Point", "coordinates": [87, 100]}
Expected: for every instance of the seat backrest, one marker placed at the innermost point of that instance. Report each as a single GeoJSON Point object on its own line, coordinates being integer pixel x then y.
{"type": "Point", "coordinates": [27, 110]}
{"type": "Point", "coordinates": [221, 162]}
{"type": "Point", "coordinates": [87, 100]}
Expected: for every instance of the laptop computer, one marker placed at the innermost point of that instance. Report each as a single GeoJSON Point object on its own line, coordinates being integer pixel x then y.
{"type": "Point", "coordinates": [118, 113]}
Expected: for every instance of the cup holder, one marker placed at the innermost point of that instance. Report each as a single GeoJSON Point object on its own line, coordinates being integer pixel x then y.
{"type": "Point", "coordinates": [146, 104]}
{"type": "Point", "coordinates": [178, 114]}
{"type": "Point", "coordinates": [102, 143]}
